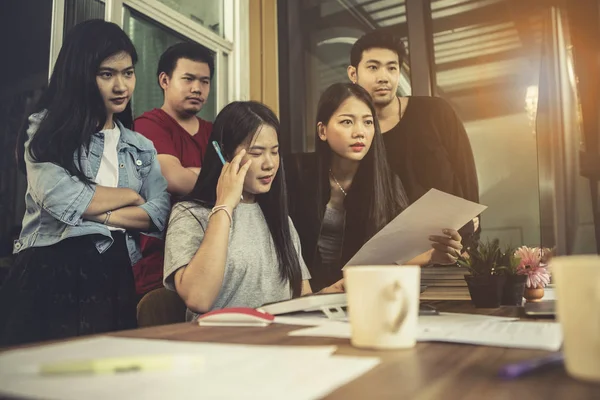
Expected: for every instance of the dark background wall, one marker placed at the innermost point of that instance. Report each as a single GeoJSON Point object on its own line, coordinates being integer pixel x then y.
{"type": "Point", "coordinates": [25, 31]}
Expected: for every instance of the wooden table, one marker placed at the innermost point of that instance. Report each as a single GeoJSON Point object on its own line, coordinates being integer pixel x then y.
{"type": "Point", "coordinates": [428, 371]}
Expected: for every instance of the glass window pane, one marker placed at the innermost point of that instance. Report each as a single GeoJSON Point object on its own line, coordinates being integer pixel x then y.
{"type": "Point", "coordinates": [208, 13]}
{"type": "Point", "coordinates": [77, 11]}
{"type": "Point", "coordinates": [328, 29]}
{"type": "Point", "coordinates": [487, 57]}
{"type": "Point", "coordinates": [151, 40]}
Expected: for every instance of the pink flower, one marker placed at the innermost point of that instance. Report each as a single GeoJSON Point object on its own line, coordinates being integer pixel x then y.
{"type": "Point", "coordinates": [531, 265]}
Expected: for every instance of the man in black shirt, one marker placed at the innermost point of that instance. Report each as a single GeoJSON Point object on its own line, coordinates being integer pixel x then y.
{"type": "Point", "coordinates": [427, 145]}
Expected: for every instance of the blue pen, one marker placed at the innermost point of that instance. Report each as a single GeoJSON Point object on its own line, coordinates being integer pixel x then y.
{"type": "Point", "coordinates": [516, 370]}
{"type": "Point", "coordinates": [218, 150]}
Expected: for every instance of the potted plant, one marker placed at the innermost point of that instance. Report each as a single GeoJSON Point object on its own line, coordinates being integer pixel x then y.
{"type": "Point", "coordinates": [485, 281]}
{"type": "Point", "coordinates": [514, 287]}
{"type": "Point", "coordinates": [533, 265]}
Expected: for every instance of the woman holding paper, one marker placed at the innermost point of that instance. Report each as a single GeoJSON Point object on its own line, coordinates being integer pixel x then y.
{"type": "Point", "coordinates": [345, 192]}
{"type": "Point", "coordinates": [233, 244]}
{"type": "Point", "coordinates": [92, 186]}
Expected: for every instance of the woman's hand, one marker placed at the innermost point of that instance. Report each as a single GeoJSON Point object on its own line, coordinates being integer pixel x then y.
{"type": "Point", "coordinates": [337, 287]}
{"type": "Point", "coordinates": [231, 181]}
{"type": "Point", "coordinates": [447, 248]}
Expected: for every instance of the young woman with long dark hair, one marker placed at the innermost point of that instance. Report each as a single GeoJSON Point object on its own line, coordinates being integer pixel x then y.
{"type": "Point", "coordinates": [92, 186]}
{"type": "Point", "coordinates": [345, 192]}
{"type": "Point", "coordinates": [232, 244]}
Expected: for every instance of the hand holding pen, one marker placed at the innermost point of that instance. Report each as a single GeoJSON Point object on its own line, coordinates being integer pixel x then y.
{"type": "Point", "coordinates": [231, 181]}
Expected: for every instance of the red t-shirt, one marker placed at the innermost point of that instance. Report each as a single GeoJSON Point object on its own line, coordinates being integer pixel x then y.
{"type": "Point", "coordinates": [169, 138]}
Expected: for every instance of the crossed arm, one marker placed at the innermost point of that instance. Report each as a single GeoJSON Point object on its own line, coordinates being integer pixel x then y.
{"type": "Point", "coordinates": [124, 205]}
{"type": "Point", "coordinates": [70, 200]}
{"type": "Point", "coordinates": [181, 180]}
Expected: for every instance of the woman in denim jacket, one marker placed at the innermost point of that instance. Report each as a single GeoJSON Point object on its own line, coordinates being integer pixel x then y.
{"type": "Point", "coordinates": [92, 186]}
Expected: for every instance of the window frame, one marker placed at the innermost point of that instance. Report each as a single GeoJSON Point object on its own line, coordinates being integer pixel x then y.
{"type": "Point", "coordinates": [232, 85]}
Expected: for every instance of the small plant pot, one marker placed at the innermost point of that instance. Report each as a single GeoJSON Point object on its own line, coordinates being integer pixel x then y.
{"type": "Point", "coordinates": [485, 290]}
{"type": "Point", "coordinates": [533, 295]}
{"type": "Point", "coordinates": [514, 287]}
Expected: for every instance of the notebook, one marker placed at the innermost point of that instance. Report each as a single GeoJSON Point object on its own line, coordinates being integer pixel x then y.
{"type": "Point", "coordinates": [313, 302]}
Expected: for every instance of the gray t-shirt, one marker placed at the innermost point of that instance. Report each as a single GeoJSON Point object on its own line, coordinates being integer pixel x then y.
{"type": "Point", "coordinates": [331, 238]}
{"type": "Point", "coordinates": [251, 276]}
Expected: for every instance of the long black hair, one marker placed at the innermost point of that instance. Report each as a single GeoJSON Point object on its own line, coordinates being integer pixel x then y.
{"type": "Point", "coordinates": [376, 195]}
{"type": "Point", "coordinates": [74, 109]}
{"type": "Point", "coordinates": [236, 124]}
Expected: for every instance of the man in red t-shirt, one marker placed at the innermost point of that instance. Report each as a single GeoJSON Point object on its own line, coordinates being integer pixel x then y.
{"type": "Point", "coordinates": [184, 73]}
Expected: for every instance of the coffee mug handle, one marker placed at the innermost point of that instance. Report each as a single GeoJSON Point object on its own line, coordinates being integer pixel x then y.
{"type": "Point", "coordinates": [399, 294]}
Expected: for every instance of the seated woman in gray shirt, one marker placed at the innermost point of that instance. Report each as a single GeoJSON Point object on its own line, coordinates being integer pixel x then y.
{"type": "Point", "coordinates": [233, 244]}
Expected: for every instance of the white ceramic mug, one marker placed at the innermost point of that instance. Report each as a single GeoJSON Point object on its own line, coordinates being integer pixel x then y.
{"type": "Point", "coordinates": [577, 280]}
{"type": "Point", "coordinates": [383, 305]}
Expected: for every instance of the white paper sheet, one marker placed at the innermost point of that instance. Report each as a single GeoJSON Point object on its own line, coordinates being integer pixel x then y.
{"type": "Point", "coordinates": [447, 320]}
{"type": "Point", "coordinates": [549, 293]}
{"type": "Point", "coordinates": [231, 371]}
{"type": "Point", "coordinates": [302, 321]}
{"type": "Point", "coordinates": [306, 318]}
{"type": "Point", "coordinates": [467, 329]}
{"type": "Point", "coordinates": [407, 235]}
{"type": "Point", "coordinates": [515, 334]}
{"type": "Point", "coordinates": [443, 321]}
{"type": "Point", "coordinates": [334, 329]}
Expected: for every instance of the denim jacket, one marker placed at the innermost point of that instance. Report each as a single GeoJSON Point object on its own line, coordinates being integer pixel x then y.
{"type": "Point", "coordinates": [55, 200]}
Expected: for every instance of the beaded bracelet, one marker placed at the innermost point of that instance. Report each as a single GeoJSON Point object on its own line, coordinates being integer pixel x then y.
{"type": "Point", "coordinates": [221, 208]}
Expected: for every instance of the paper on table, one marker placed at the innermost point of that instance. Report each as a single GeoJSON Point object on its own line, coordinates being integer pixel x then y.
{"type": "Point", "coordinates": [300, 321]}
{"type": "Point", "coordinates": [258, 371]}
{"type": "Point", "coordinates": [407, 235]}
{"type": "Point", "coordinates": [516, 334]}
{"type": "Point", "coordinates": [306, 318]}
{"type": "Point", "coordinates": [447, 320]}
{"type": "Point", "coordinates": [334, 329]}
{"type": "Point", "coordinates": [467, 329]}
{"type": "Point", "coordinates": [443, 321]}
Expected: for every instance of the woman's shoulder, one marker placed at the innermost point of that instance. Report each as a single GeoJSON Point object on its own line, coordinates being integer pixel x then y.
{"type": "Point", "coordinates": [189, 210]}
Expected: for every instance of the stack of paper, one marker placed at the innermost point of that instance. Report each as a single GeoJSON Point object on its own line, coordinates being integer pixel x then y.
{"type": "Point", "coordinates": [229, 371]}
{"type": "Point", "coordinates": [465, 328]}
{"type": "Point", "coordinates": [444, 283]}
